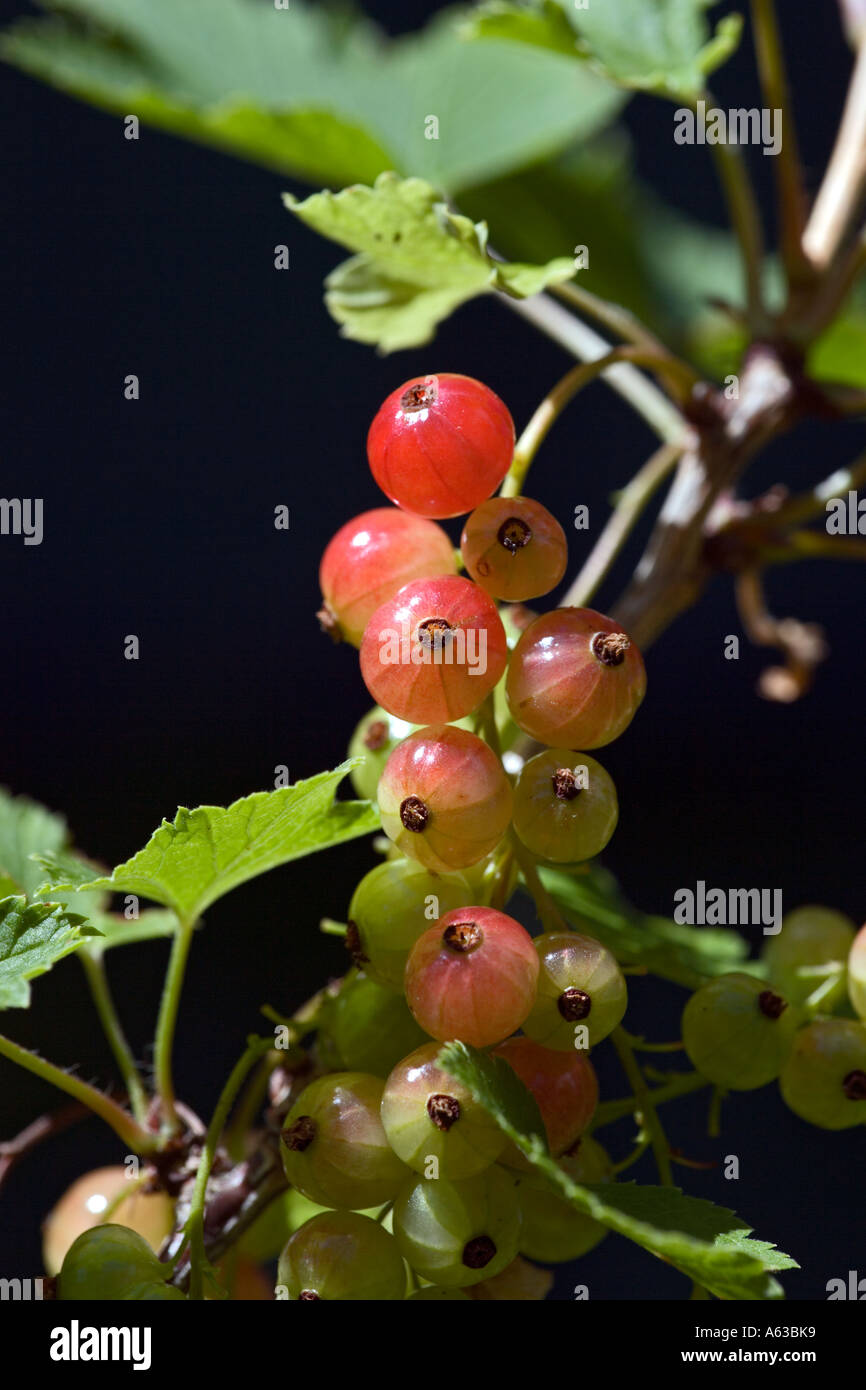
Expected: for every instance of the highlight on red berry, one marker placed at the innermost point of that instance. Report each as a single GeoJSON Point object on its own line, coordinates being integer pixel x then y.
{"type": "Point", "coordinates": [575, 679]}
{"type": "Point", "coordinates": [439, 445]}
{"type": "Point", "coordinates": [369, 559]}
{"type": "Point", "coordinates": [433, 652]}
{"type": "Point", "coordinates": [444, 798]}
{"type": "Point", "coordinates": [514, 548]}
{"type": "Point", "coordinates": [472, 976]}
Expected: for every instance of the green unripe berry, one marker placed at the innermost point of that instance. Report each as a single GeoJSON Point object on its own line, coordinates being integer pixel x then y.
{"type": "Point", "coordinates": [371, 1027]}
{"type": "Point", "coordinates": [342, 1256]}
{"type": "Point", "coordinates": [392, 906]}
{"type": "Point", "coordinates": [737, 1032]}
{"type": "Point", "coordinates": [824, 1079]}
{"type": "Point", "coordinates": [434, 1123]}
{"type": "Point", "coordinates": [809, 936]}
{"type": "Point", "coordinates": [579, 984]}
{"type": "Point", "coordinates": [458, 1233]}
{"type": "Point", "coordinates": [108, 1263]}
{"type": "Point", "coordinates": [333, 1145]}
{"type": "Point", "coordinates": [552, 1230]}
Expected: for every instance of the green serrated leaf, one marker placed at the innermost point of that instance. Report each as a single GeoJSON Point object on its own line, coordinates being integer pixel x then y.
{"type": "Point", "coordinates": [33, 938]}
{"type": "Point", "coordinates": [201, 855]}
{"type": "Point", "coordinates": [26, 828]}
{"type": "Point", "coordinates": [325, 101]}
{"type": "Point", "coordinates": [662, 46]}
{"type": "Point", "coordinates": [417, 260]}
{"type": "Point", "coordinates": [709, 1244]}
{"type": "Point", "coordinates": [592, 901]}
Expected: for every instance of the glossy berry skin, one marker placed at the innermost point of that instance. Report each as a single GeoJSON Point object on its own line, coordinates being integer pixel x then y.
{"type": "Point", "coordinates": [738, 1032]}
{"type": "Point", "coordinates": [565, 1088]}
{"type": "Point", "coordinates": [370, 558]}
{"type": "Point", "coordinates": [565, 806]}
{"type": "Point", "coordinates": [514, 548]}
{"type": "Point", "coordinates": [391, 907]}
{"type": "Point", "coordinates": [433, 652]}
{"type": "Point", "coordinates": [374, 739]}
{"type": "Point", "coordinates": [458, 1233]}
{"type": "Point", "coordinates": [809, 936]}
{"type": "Point", "coordinates": [370, 1027]}
{"type": "Point", "coordinates": [108, 1263]}
{"type": "Point", "coordinates": [472, 976]}
{"type": "Point", "coordinates": [90, 1201]}
{"type": "Point", "coordinates": [824, 1079]}
{"type": "Point", "coordinates": [333, 1145]}
{"type": "Point", "coordinates": [428, 1114]}
{"type": "Point", "coordinates": [155, 1293]}
{"type": "Point", "coordinates": [439, 445]}
{"type": "Point", "coordinates": [575, 679]}
{"type": "Point", "coordinates": [432, 1293]}
{"type": "Point", "coordinates": [857, 973]}
{"type": "Point", "coordinates": [552, 1230]}
{"type": "Point", "coordinates": [444, 798]}
{"type": "Point", "coordinates": [341, 1256]}
{"type": "Point", "coordinates": [579, 985]}
{"type": "Point", "coordinates": [519, 1282]}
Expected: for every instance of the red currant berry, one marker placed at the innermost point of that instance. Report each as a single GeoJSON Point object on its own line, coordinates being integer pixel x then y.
{"type": "Point", "coordinates": [472, 976]}
{"type": "Point", "coordinates": [565, 1088]}
{"type": "Point", "coordinates": [433, 652]}
{"type": "Point", "coordinates": [514, 548]}
{"type": "Point", "coordinates": [369, 559]}
{"type": "Point", "coordinates": [565, 806]}
{"type": "Point", "coordinates": [444, 798]}
{"type": "Point", "coordinates": [440, 445]}
{"type": "Point", "coordinates": [575, 679]}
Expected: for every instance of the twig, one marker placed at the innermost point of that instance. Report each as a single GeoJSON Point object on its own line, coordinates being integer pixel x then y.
{"type": "Point", "coordinates": [746, 222]}
{"type": "Point", "coordinates": [125, 1126]}
{"type": "Point", "coordinates": [801, 644]}
{"type": "Point", "coordinates": [844, 182]}
{"type": "Point", "coordinates": [45, 1127]}
{"type": "Point", "coordinates": [631, 502]}
{"type": "Point", "coordinates": [558, 398]}
{"type": "Point", "coordinates": [586, 345]}
{"type": "Point", "coordinates": [790, 193]}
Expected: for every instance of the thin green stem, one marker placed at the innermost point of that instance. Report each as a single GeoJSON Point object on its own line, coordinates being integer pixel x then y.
{"type": "Point", "coordinates": [619, 320]}
{"type": "Point", "coordinates": [167, 1023]}
{"type": "Point", "coordinates": [745, 220]}
{"type": "Point", "coordinates": [250, 1104]}
{"type": "Point", "coordinates": [632, 501]}
{"type": "Point", "coordinates": [681, 1084]}
{"type": "Point", "coordinates": [126, 1127]}
{"type": "Point", "coordinates": [586, 345]}
{"type": "Point", "coordinates": [550, 915]}
{"type": "Point", "coordinates": [566, 389]}
{"type": "Point", "coordinates": [637, 1152]}
{"type": "Point", "coordinates": [790, 193]}
{"type": "Point", "coordinates": [256, 1048]}
{"type": "Point", "coordinates": [94, 970]}
{"type": "Point", "coordinates": [646, 1105]}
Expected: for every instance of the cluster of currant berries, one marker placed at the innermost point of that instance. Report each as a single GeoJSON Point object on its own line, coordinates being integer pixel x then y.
{"type": "Point", "coordinates": [434, 648]}
{"type": "Point", "coordinates": [742, 1033]}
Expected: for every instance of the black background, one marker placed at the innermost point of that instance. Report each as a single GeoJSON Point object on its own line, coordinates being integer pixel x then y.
{"type": "Point", "coordinates": [156, 258]}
